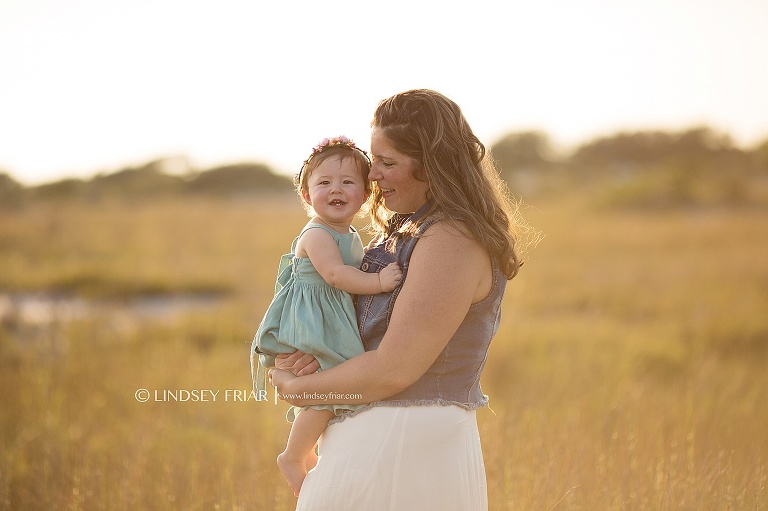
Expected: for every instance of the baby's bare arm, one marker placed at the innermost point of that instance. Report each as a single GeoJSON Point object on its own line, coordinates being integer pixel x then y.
{"type": "Point", "coordinates": [326, 258]}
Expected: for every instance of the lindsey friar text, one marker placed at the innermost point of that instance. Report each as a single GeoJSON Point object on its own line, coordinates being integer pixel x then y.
{"type": "Point", "coordinates": [198, 395]}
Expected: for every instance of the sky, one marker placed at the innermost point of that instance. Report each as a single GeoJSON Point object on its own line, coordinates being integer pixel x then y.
{"type": "Point", "coordinates": [93, 86]}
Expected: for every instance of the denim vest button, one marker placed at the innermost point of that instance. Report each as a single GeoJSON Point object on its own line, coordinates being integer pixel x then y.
{"type": "Point", "coordinates": [365, 266]}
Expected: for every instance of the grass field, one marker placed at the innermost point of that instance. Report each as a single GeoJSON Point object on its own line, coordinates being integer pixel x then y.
{"type": "Point", "coordinates": [629, 372]}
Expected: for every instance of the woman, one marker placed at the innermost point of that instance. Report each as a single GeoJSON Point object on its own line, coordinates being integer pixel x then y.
{"type": "Point", "coordinates": [444, 218]}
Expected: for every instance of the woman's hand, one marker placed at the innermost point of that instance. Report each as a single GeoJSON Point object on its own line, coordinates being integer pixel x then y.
{"type": "Point", "coordinates": [298, 362]}
{"type": "Point", "coordinates": [280, 380]}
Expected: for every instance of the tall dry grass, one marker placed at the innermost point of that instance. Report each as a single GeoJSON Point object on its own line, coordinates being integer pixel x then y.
{"type": "Point", "coordinates": [629, 371]}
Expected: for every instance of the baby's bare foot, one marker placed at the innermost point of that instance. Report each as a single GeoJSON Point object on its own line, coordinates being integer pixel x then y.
{"type": "Point", "coordinates": [293, 470]}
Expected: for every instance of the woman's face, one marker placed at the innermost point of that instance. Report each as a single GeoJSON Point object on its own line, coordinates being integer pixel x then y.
{"type": "Point", "coordinates": [393, 171]}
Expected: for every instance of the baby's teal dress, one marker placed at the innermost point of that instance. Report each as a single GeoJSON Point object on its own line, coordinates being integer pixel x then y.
{"type": "Point", "coordinates": [309, 315]}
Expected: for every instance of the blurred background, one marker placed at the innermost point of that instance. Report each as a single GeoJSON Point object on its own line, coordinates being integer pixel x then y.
{"type": "Point", "coordinates": [146, 154]}
{"type": "Point", "coordinates": [92, 86]}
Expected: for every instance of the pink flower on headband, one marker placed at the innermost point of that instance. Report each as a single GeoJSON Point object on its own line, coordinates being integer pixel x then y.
{"type": "Point", "coordinates": [331, 142]}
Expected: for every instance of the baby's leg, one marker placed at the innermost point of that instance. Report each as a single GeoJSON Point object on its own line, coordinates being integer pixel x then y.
{"type": "Point", "coordinates": [306, 430]}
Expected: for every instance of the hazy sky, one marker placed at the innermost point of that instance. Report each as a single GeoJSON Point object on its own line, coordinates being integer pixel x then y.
{"type": "Point", "coordinates": [91, 86]}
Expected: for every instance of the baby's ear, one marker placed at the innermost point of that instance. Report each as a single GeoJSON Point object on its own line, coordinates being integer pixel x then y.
{"type": "Point", "coordinates": [306, 197]}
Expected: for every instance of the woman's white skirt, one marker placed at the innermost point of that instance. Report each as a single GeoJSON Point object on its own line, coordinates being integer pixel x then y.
{"type": "Point", "coordinates": [399, 458]}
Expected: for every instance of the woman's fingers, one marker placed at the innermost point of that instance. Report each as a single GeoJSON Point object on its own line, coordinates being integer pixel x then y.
{"type": "Point", "coordinates": [312, 366]}
{"type": "Point", "coordinates": [298, 362]}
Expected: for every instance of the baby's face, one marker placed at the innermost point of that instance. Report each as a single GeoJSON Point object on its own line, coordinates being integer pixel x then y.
{"type": "Point", "coordinates": [336, 190]}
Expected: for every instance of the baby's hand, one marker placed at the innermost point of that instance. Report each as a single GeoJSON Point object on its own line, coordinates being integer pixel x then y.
{"type": "Point", "coordinates": [389, 277]}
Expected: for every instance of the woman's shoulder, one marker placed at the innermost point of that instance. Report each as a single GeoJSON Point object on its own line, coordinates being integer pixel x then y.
{"type": "Point", "coordinates": [451, 238]}
{"type": "Point", "coordinates": [448, 248]}
{"type": "Point", "coordinates": [445, 228]}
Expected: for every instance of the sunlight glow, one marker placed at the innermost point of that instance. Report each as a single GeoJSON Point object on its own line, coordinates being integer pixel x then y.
{"type": "Point", "coordinates": [92, 86]}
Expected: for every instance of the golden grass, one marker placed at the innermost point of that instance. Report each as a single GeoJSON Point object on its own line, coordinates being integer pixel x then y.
{"type": "Point", "coordinates": [629, 371]}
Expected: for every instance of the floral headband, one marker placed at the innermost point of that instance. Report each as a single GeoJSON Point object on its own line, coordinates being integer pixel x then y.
{"type": "Point", "coordinates": [327, 143]}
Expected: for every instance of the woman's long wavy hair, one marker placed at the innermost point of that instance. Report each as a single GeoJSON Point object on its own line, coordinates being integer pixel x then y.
{"type": "Point", "coordinates": [465, 187]}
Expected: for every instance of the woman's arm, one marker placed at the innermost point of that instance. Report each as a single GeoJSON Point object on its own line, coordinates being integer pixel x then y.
{"type": "Point", "coordinates": [326, 258]}
{"type": "Point", "coordinates": [431, 305]}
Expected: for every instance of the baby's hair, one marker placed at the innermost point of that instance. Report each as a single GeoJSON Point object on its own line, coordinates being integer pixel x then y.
{"type": "Point", "coordinates": [340, 147]}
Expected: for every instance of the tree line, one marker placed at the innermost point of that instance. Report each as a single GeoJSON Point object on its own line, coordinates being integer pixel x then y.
{"type": "Point", "coordinates": [150, 181]}
{"type": "Point", "coordinates": [697, 166]}
{"type": "Point", "coordinates": [642, 167]}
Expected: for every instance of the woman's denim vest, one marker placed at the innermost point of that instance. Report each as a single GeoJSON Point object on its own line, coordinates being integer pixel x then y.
{"type": "Point", "coordinates": [454, 378]}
